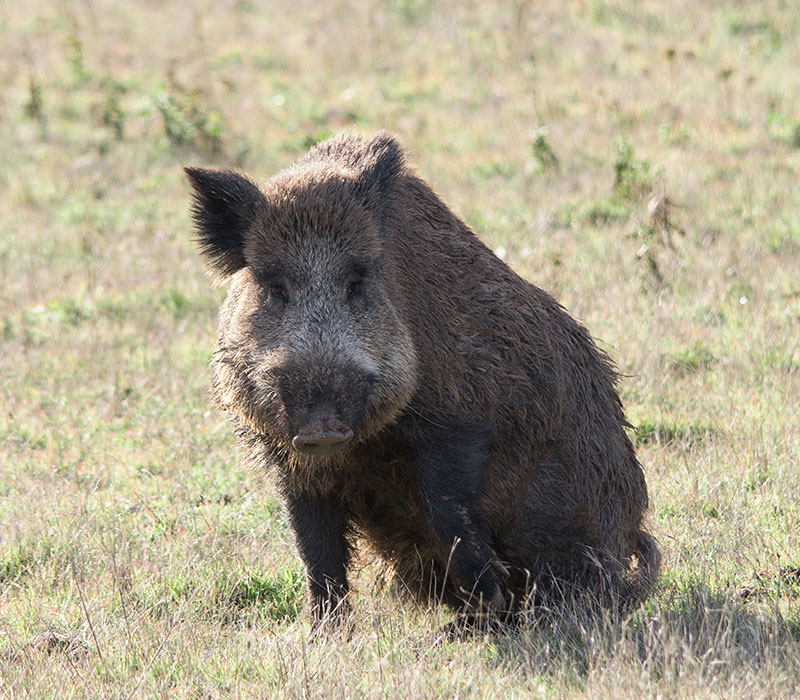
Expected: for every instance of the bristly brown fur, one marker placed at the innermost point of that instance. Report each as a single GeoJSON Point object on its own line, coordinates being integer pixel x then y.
{"type": "Point", "coordinates": [489, 456]}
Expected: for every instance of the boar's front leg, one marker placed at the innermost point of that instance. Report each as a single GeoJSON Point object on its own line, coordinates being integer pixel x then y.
{"type": "Point", "coordinates": [320, 533]}
{"type": "Point", "coordinates": [451, 460]}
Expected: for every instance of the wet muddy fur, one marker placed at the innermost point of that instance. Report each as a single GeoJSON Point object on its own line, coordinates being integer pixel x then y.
{"type": "Point", "coordinates": [407, 390]}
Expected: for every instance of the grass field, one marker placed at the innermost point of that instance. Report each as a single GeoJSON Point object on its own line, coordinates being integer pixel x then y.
{"type": "Point", "coordinates": [640, 161]}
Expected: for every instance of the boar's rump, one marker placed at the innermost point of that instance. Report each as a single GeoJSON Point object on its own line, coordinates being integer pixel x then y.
{"type": "Point", "coordinates": [406, 389]}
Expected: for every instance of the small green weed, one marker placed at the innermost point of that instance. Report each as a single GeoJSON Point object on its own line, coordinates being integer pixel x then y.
{"type": "Point", "coordinates": [231, 596]}
{"type": "Point", "coordinates": [544, 157]}
{"type": "Point", "coordinates": [15, 564]}
{"type": "Point", "coordinates": [34, 107]}
{"type": "Point", "coordinates": [80, 74]}
{"type": "Point", "coordinates": [187, 123]}
{"type": "Point", "coordinates": [782, 127]}
{"type": "Point", "coordinates": [23, 559]}
{"type": "Point", "coordinates": [490, 169]}
{"type": "Point", "coordinates": [632, 182]}
{"type": "Point", "coordinates": [691, 360]}
{"type": "Point", "coordinates": [415, 12]}
{"type": "Point", "coordinates": [278, 597]}
{"type": "Point", "coordinates": [667, 432]}
{"type": "Point", "coordinates": [607, 210]}
{"type": "Point", "coordinates": [632, 176]}
{"type": "Point", "coordinates": [110, 113]}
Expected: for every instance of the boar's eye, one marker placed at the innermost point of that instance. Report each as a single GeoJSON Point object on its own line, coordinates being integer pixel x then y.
{"type": "Point", "coordinates": [277, 292]}
{"type": "Point", "coordinates": [355, 287]}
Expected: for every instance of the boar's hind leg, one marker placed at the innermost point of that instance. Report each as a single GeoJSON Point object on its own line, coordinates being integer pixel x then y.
{"type": "Point", "coordinates": [321, 539]}
{"type": "Point", "coordinates": [451, 461]}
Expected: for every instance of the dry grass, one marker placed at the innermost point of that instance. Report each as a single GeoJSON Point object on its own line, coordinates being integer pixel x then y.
{"type": "Point", "coordinates": [639, 160]}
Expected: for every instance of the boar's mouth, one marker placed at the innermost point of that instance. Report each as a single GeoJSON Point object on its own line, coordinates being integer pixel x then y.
{"type": "Point", "coordinates": [323, 433]}
{"type": "Point", "coordinates": [322, 443]}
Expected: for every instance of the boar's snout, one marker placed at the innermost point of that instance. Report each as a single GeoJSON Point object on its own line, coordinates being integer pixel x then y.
{"type": "Point", "coordinates": [325, 407]}
{"type": "Point", "coordinates": [325, 434]}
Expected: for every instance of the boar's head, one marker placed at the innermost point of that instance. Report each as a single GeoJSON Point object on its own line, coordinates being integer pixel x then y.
{"type": "Point", "coordinates": [312, 351]}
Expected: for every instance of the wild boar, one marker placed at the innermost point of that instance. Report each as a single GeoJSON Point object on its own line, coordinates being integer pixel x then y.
{"type": "Point", "coordinates": [407, 389]}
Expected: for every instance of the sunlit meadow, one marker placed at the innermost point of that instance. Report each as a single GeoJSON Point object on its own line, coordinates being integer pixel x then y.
{"type": "Point", "coordinates": [640, 161]}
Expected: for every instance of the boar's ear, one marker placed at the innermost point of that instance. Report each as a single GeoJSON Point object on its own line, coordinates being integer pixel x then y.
{"type": "Point", "coordinates": [223, 208]}
{"type": "Point", "coordinates": [381, 163]}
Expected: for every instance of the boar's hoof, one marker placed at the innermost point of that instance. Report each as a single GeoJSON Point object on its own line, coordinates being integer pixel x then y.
{"type": "Point", "coordinates": [323, 442]}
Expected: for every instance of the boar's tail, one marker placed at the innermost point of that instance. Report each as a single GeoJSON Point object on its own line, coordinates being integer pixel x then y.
{"type": "Point", "coordinates": [648, 563]}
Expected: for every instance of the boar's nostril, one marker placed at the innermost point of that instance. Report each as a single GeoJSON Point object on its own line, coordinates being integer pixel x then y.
{"type": "Point", "coordinates": [322, 442]}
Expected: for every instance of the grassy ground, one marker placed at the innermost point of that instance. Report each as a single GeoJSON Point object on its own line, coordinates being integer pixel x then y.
{"type": "Point", "coordinates": [639, 160]}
